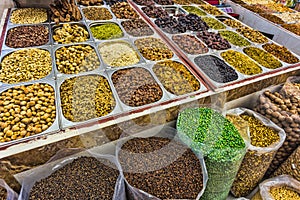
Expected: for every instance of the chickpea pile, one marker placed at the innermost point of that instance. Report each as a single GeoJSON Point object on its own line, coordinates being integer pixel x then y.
{"type": "Point", "coordinates": [26, 110]}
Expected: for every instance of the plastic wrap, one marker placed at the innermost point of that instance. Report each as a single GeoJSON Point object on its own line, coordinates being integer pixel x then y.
{"type": "Point", "coordinates": [10, 194]}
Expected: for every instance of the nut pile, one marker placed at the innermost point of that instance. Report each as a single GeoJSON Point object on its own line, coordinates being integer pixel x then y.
{"type": "Point", "coordinates": [178, 168]}
{"type": "Point", "coordinates": [144, 2]}
{"type": "Point", "coordinates": [97, 13]}
{"type": "Point", "coordinates": [113, 2]}
{"type": "Point", "coordinates": [289, 17]}
{"type": "Point", "coordinates": [27, 36]}
{"type": "Point", "coordinates": [86, 97]}
{"type": "Point", "coordinates": [241, 62]}
{"type": "Point", "coordinates": [154, 11]}
{"type": "Point", "coordinates": [213, 40]}
{"type": "Point", "coordinates": [29, 16]}
{"type": "Point", "coordinates": [295, 28]}
{"type": "Point", "coordinates": [25, 65]}
{"type": "Point", "coordinates": [233, 23]}
{"type": "Point", "coordinates": [26, 110]}
{"type": "Point", "coordinates": [262, 57]}
{"type": "Point", "coordinates": [137, 28]}
{"type": "Point", "coordinates": [164, 2]}
{"type": "Point", "coordinates": [259, 8]}
{"type": "Point", "coordinates": [194, 10]}
{"type": "Point", "coordinates": [90, 2]}
{"type": "Point", "coordinates": [277, 7]}
{"type": "Point", "coordinates": [216, 69]}
{"type": "Point", "coordinates": [211, 9]}
{"type": "Point", "coordinates": [281, 52]}
{"type": "Point", "coordinates": [65, 11]}
{"type": "Point", "coordinates": [153, 48]}
{"type": "Point", "coordinates": [123, 10]}
{"type": "Point", "coordinates": [213, 23]}
{"type": "Point", "coordinates": [234, 38]}
{"type": "Point", "coordinates": [117, 54]}
{"type": "Point", "coordinates": [136, 87]}
{"type": "Point", "coordinates": [70, 33]}
{"type": "Point", "coordinates": [284, 193]}
{"type": "Point", "coordinates": [285, 113]}
{"type": "Point", "coordinates": [76, 58]}
{"type": "Point", "coordinates": [255, 162]}
{"type": "Point", "coordinates": [175, 77]}
{"type": "Point", "coordinates": [273, 18]}
{"type": "Point", "coordinates": [190, 44]}
{"type": "Point", "coordinates": [83, 178]}
{"type": "Point", "coordinates": [106, 31]}
{"type": "Point", "coordinates": [252, 35]}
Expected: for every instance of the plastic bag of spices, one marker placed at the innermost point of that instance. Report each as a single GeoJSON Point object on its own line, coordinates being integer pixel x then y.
{"type": "Point", "coordinates": [222, 145]}
{"type": "Point", "coordinates": [282, 187]}
{"type": "Point", "coordinates": [85, 175]}
{"type": "Point", "coordinates": [285, 113]}
{"type": "Point", "coordinates": [6, 192]}
{"type": "Point", "coordinates": [157, 165]}
{"type": "Point", "coordinates": [291, 166]}
{"type": "Point", "coordinates": [265, 139]}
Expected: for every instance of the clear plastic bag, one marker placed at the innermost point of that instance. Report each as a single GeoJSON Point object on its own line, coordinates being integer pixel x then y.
{"type": "Point", "coordinates": [47, 169]}
{"type": "Point", "coordinates": [257, 159]}
{"type": "Point", "coordinates": [277, 182]}
{"type": "Point", "coordinates": [10, 194]}
{"type": "Point", "coordinates": [283, 111]}
{"type": "Point", "coordinates": [291, 87]}
{"type": "Point", "coordinates": [159, 158]}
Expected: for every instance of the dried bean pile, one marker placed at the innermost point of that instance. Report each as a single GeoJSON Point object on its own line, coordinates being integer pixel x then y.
{"type": "Point", "coordinates": [106, 31]}
{"type": "Point", "coordinates": [234, 38]}
{"type": "Point", "coordinates": [175, 173]}
{"type": "Point", "coordinates": [83, 178]}
{"type": "Point", "coordinates": [117, 54]}
{"type": "Point", "coordinates": [25, 65]}
{"type": "Point", "coordinates": [70, 33]}
{"type": "Point", "coordinates": [97, 13]}
{"type": "Point", "coordinates": [213, 23]}
{"type": "Point", "coordinates": [155, 12]}
{"type": "Point", "coordinates": [190, 44]}
{"type": "Point", "coordinates": [262, 57]}
{"type": "Point", "coordinates": [255, 162]}
{"type": "Point", "coordinates": [29, 16]}
{"type": "Point", "coordinates": [137, 28]}
{"type": "Point", "coordinates": [76, 58]}
{"type": "Point", "coordinates": [176, 78]}
{"type": "Point", "coordinates": [194, 10]}
{"type": "Point", "coordinates": [252, 35]}
{"type": "Point", "coordinates": [216, 69]}
{"type": "Point", "coordinates": [241, 62]}
{"type": "Point", "coordinates": [86, 97]}
{"type": "Point", "coordinates": [136, 86]}
{"type": "Point", "coordinates": [213, 40]}
{"type": "Point", "coordinates": [123, 10]}
{"type": "Point", "coordinates": [26, 110]}
{"type": "Point", "coordinates": [281, 52]}
{"type": "Point", "coordinates": [27, 36]}
{"type": "Point", "coordinates": [283, 111]}
{"type": "Point", "coordinates": [153, 48]}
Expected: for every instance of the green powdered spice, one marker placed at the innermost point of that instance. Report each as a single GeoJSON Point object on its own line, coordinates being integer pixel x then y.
{"type": "Point", "coordinates": [220, 142]}
{"type": "Point", "coordinates": [106, 31]}
{"type": "Point", "coordinates": [213, 23]}
{"type": "Point", "coordinates": [234, 38]}
{"type": "Point", "coordinates": [194, 10]}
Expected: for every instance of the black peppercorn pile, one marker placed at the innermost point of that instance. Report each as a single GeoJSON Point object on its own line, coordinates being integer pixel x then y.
{"type": "Point", "coordinates": [84, 178]}
{"type": "Point", "coordinates": [180, 179]}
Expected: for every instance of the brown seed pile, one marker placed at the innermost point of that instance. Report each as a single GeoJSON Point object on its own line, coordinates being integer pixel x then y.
{"type": "Point", "coordinates": [281, 52]}
{"type": "Point", "coordinates": [177, 171]}
{"type": "Point", "coordinates": [96, 13]}
{"type": "Point", "coordinates": [153, 48]}
{"type": "Point", "coordinates": [25, 65]}
{"type": "Point", "coordinates": [86, 97]}
{"type": "Point", "coordinates": [76, 58]}
{"type": "Point", "coordinates": [64, 11]}
{"type": "Point", "coordinates": [284, 193]}
{"type": "Point", "coordinates": [137, 28]}
{"type": "Point", "coordinates": [295, 28]}
{"type": "Point", "coordinates": [285, 113]}
{"type": "Point", "coordinates": [29, 16]}
{"type": "Point", "coordinates": [123, 10]}
{"type": "Point", "coordinates": [83, 178]}
{"type": "Point", "coordinates": [190, 44]}
{"type": "Point", "coordinates": [136, 86]}
{"type": "Point", "coordinates": [252, 35]}
{"type": "Point", "coordinates": [175, 77]}
{"type": "Point", "coordinates": [255, 163]}
{"type": "Point", "coordinates": [90, 2]}
{"type": "Point", "coordinates": [27, 36]}
{"type": "Point", "coordinates": [26, 110]}
{"type": "Point", "coordinates": [291, 166]}
{"type": "Point", "coordinates": [70, 33]}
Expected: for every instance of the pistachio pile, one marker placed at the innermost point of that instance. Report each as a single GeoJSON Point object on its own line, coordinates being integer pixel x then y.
{"type": "Point", "coordinates": [26, 110]}
{"type": "Point", "coordinates": [70, 33]}
{"type": "Point", "coordinates": [25, 65]}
